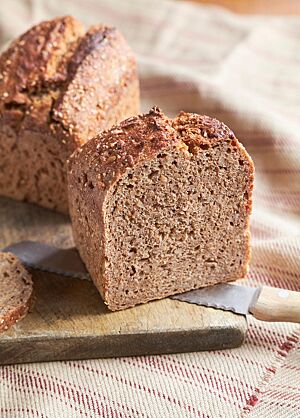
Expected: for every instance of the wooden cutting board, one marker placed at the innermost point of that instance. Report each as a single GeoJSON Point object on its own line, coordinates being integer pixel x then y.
{"type": "Point", "coordinates": [70, 321]}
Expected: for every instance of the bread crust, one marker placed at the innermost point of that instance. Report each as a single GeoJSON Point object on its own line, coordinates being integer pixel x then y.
{"type": "Point", "coordinates": [10, 265]}
{"type": "Point", "coordinates": [67, 86]}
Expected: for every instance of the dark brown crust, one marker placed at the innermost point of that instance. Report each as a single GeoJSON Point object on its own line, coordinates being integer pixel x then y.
{"type": "Point", "coordinates": [65, 86]}
{"type": "Point", "coordinates": [191, 125]}
{"type": "Point", "coordinates": [96, 167]}
{"type": "Point", "coordinates": [20, 311]}
{"type": "Point", "coordinates": [104, 57]}
{"type": "Point", "coordinates": [131, 142]}
{"type": "Point", "coordinates": [38, 59]}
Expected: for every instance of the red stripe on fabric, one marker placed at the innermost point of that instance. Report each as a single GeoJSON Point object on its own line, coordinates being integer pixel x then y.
{"type": "Point", "coordinates": [263, 227]}
{"type": "Point", "coordinates": [283, 386]}
{"type": "Point", "coordinates": [76, 389]}
{"type": "Point", "coordinates": [291, 367]}
{"type": "Point", "coordinates": [281, 404]}
{"type": "Point", "coordinates": [283, 244]}
{"type": "Point", "coordinates": [293, 193]}
{"type": "Point", "coordinates": [275, 269]}
{"type": "Point", "coordinates": [257, 232]}
{"type": "Point", "coordinates": [203, 378]}
{"type": "Point", "coordinates": [262, 278]}
{"type": "Point", "coordinates": [207, 370]}
{"type": "Point", "coordinates": [31, 411]}
{"type": "Point", "coordinates": [139, 386]}
{"type": "Point", "coordinates": [247, 361]}
{"type": "Point", "coordinates": [239, 381]}
{"type": "Point", "coordinates": [27, 381]}
{"type": "Point", "coordinates": [256, 337]}
{"type": "Point", "coordinates": [279, 171]}
{"type": "Point", "coordinates": [283, 351]}
{"type": "Point", "coordinates": [279, 335]}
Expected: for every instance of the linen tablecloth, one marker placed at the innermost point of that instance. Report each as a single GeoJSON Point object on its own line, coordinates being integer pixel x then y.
{"type": "Point", "coordinates": [245, 72]}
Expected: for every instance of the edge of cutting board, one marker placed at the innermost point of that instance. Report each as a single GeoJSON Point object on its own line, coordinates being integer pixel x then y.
{"type": "Point", "coordinates": [69, 321]}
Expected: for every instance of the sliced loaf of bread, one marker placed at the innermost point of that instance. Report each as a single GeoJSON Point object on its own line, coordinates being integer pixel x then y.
{"type": "Point", "coordinates": [16, 290]}
{"type": "Point", "coordinates": [161, 206]}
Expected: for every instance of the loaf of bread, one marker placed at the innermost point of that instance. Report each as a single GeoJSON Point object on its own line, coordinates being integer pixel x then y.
{"type": "Point", "coordinates": [161, 206]}
{"type": "Point", "coordinates": [16, 289]}
{"type": "Point", "coordinates": [59, 86]}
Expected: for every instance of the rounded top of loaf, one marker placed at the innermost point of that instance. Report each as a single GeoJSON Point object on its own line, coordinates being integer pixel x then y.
{"type": "Point", "coordinates": [66, 79]}
{"type": "Point", "coordinates": [38, 59]}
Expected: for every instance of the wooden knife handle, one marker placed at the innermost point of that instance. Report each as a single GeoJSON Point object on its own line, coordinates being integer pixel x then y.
{"type": "Point", "coordinates": [277, 305]}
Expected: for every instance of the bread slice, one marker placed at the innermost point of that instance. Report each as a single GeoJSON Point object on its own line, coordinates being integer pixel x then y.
{"type": "Point", "coordinates": [161, 206]}
{"type": "Point", "coordinates": [16, 290]}
{"type": "Point", "coordinates": [59, 86]}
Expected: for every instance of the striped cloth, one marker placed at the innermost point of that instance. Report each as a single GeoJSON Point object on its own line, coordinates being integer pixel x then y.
{"type": "Point", "coordinates": [245, 72]}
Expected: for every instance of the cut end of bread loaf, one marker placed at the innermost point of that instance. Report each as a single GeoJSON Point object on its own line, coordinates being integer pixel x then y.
{"type": "Point", "coordinates": [16, 294]}
{"type": "Point", "coordinates": [161, 207]}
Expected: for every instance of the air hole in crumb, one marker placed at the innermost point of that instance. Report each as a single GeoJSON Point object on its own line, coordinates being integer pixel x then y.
{"type": "Point", "coordinates": [204, 146]}
{"type": "Point", "coordinates": [161, 155]}
{"type": "Point", "coordinates": [153, 174]}
{"type": "Point", "coordinates": [126, 291]}
{"type": "Point", "coordinates": [228, 150]}
{"type": "Point", "coordinates": [175, 163]}
{"type": "Point", "coordinates": [5, 274]}
{"type": "Point", "coordinates": [233, 143]}
{"type": "Point", "coordinates": [130, 186]}
{"type": "Point", "coordinates": [90, 184]}
{"type": "Point", "coordinates": [133, 250]}
{"type": "Point", "coordinates": [197, 247]}
{"type": "Point", "coordinates": [130, 176]}
{"type": "Point", "coordinates": [133, 269]}
{"type": "Point", "coordinates": [241, 162]}
{"type": "Point", "coordinates": [231, 223]}
{"type": "Point", "coordinates": [84, 178]}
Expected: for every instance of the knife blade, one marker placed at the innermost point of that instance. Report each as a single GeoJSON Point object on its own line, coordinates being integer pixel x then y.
{"type": "Point", "coordinates": [66, 262]}
{"type": "Point", "coordinates": [228, 297]}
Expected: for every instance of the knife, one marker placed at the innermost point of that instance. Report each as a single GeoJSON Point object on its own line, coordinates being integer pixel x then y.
{"type": "Point", "coordinates": [264, 303]}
